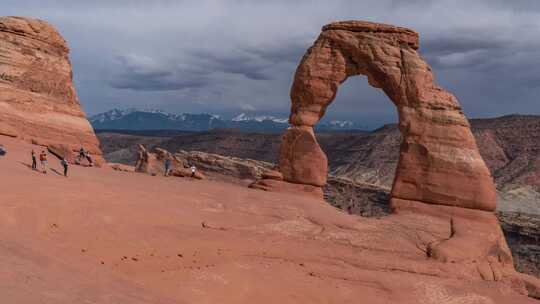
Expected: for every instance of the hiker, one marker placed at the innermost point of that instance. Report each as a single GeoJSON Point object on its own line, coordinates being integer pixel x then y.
{"type": "Point", "coordinates": [167, 166]}
{"type": "Point", "coordinates": [65, 164]}
{"type": "Point", "coordinates": [82, 153]}
{"type": "Point", "coordinates": [34, 160]}
{"type": "Point", "coordinates": [89, 159]}
{"type": "Point", "coordinates": [2, 150]}
{"type": "Point", "coordinates": [193, 170]}
{"type": "Point", "coordinates": [43, 160]}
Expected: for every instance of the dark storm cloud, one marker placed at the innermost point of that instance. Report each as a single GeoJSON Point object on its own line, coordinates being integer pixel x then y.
{"type": "Point", "coordinates": [236, 62]}
{"type": "Point", "coordinates": [141, 73]}
{"type": "Point", "coordinates": [233, 55]}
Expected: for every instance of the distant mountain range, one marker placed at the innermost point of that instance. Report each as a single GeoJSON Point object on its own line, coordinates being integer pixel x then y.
{"type": "Point", "coordinates": [137, 119]}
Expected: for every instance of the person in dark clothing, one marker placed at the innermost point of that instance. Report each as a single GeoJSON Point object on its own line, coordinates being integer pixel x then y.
{"type": "Point", "coordinates": [167, 166]}
{"type": "Point", "coordinates": [82, 153]}
{"type": "Point", "coordinates": [2, 150]}
{"type": "Point", "coordinates": [65, 164]}
{"type": "Point", "coordinates": [34, 160]}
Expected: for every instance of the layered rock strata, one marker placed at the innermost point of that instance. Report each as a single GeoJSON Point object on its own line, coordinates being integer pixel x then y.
{"type": "Point", "coordinates": [439, 160]}
{"type": "Point", "coordinates": [440, 171]}
{"type": "Point", "coordinates": [38, 102]}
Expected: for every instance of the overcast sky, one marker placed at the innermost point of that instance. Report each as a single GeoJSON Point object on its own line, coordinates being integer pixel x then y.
{"type": "Point", "coordinates": [230, 56]}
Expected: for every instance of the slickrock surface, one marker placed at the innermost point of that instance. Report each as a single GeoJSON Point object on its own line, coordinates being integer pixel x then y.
{"type": "Point", "coordinates": [103, 236]}
{"type": "Point", "coordinates": [38, 101]}
{"type": "Point", "coordinates": [439, 160]}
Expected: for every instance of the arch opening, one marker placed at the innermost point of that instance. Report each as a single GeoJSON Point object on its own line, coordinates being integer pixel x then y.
{"type": "Point", "coordinates": [361, 154]}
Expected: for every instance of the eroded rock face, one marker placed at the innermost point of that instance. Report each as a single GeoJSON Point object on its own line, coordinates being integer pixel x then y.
{"type": "Point", "coordinates": [38, 101]}
{"type": "Point", "coordinates": [440, 172]}
{"type": "Point", "coordinates": [301, 158]}
{"type": "Point", "coordinates": [439, 160]}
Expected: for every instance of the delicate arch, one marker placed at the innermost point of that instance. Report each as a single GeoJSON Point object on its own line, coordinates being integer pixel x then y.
{"type": "Point", "coordinates": [439, 161]}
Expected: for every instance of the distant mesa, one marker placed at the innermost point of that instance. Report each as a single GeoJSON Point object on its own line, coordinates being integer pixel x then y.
{"type": "Point", "coordinates": [39, 103]}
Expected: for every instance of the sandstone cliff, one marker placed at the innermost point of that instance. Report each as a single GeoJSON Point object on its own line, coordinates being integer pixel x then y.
{"type": "Point", "coordinates": [38, 101]}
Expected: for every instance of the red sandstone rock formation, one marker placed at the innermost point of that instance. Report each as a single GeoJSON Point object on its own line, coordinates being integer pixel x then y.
{"type": "Point", "coordinates": [440, 171]}
{"type": "Point", "coordinates": [38, 102]}
{"type": "Point", "coordinates": [154, 164]}
{"type": "Point", "coordinates": [301, 159]}
{"type": "Point", "coordinates": [439, 160]}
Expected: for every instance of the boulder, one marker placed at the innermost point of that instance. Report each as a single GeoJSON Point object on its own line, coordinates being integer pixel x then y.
{"type": "Point", "coordinates": [150, 163]}
{"type": "Point", "coordinates": [38, 102]}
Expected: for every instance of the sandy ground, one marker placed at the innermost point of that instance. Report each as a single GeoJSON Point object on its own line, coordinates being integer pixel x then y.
{"type": "Point", "coordinates": [101, 236]}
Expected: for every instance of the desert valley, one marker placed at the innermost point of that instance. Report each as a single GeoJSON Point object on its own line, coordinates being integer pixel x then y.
{"type": "Point", "coordinates": [434, 209]}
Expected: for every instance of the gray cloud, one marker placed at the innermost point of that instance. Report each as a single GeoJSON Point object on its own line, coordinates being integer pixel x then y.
{"type": "Point", "coordinates": [232, 55]}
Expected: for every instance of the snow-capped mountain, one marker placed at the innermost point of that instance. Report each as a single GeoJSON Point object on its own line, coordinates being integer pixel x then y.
{"type": "Point", "coordinates": [111, 115]}
{"type": "Point", "coordinates": [152, 119]}
{"type": "Point", "coordinates": [341, 123]}
{"type": "Point", "coordinates": [246, 117]}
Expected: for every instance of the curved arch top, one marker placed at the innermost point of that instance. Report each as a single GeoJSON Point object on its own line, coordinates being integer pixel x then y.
{"type": "Point", "coordinates": [439, 161]}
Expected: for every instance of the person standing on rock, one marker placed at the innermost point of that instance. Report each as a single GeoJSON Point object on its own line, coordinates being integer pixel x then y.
{"type": "Point", "coordinates": [65, 164]}
{"type": "Point", "coordinates": [34, 160]}
{"type": "Point", "coordinates": [167, 166]}
{"type": "Point", "coordinates": [193, 170]}
{"type": "Point", "coordinates": [43, 160]}
{"type": "Point", "coordinates": [89, 159]}
{"type": "Point", "coordinates": [82, 153]}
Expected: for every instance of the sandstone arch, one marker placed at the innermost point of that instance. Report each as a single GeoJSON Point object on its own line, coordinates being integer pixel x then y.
{"type": "Point", "coordinates": [439, 160]}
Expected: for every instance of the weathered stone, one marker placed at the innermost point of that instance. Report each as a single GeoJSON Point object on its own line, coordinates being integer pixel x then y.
{"type": "Point", "coordinates": [38, 102]}
{"type": "Point", "coordinates": [285, 187]}
{"type": "Point", "coordinates": [439, 160]}
{"type": "Point", "coordinates": [272, 174]}
{"type": "Point", "coordinates": [301, 160]}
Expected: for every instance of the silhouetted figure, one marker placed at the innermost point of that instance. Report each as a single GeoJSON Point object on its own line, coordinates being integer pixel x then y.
{"type": "Point", "coordinates": [82, 153]}
{"type": "Point", "coordinates": [34, 160]}
{"type": "Point", "coordinates": [65, 164]}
